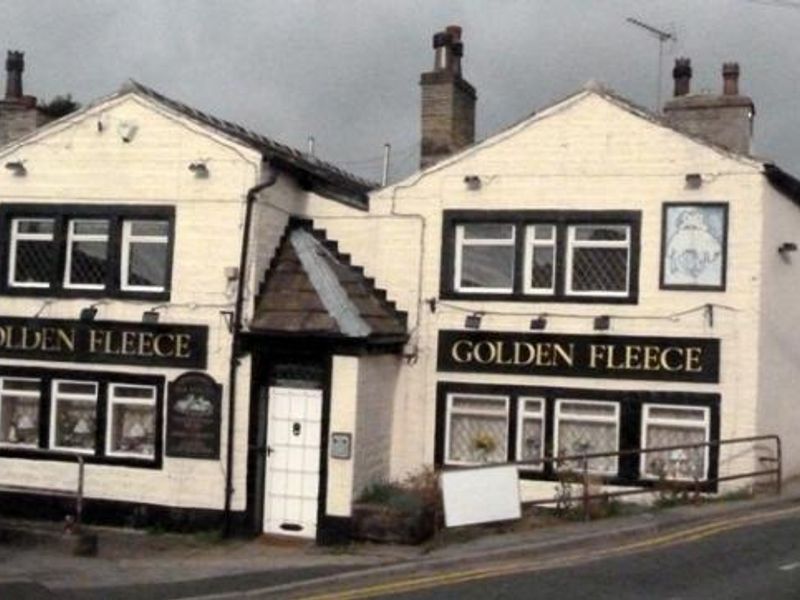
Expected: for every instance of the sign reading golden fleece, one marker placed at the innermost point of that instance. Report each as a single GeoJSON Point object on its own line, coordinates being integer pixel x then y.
{"type": "Point", "coordinates": [104, 342]}
{"type": "Point", "coordinates": [626, 357]}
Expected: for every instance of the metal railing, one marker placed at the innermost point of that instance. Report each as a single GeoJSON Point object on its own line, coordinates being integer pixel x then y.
{"type": "Point", "coordinates": [73, 523]}
{"type": "Point", "coordinates": [774, 468]}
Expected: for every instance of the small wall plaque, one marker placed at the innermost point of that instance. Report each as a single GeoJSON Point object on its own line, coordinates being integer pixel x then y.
{"type": "Point", "coordinates": [341, 445]}
{"type": "Point", "coordinates": [193, 417]}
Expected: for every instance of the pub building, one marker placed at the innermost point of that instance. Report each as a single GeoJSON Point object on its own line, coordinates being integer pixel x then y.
{"type": "Point", "coordinates": [232, 332]}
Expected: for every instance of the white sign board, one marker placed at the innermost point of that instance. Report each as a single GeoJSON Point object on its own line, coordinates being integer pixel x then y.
{"type": "Point", "coordinates": [480, 495]}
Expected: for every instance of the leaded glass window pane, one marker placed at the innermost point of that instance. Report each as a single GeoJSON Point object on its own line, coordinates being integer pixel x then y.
{"type": "Point", "coordinates": [74, 420]}
{"type": "Point", "coordinates": [477, 429]}
{"type": "Point", "coordinates": [33, 253]}
{"type": "Point", "coordinates": [587, 427]}
{"type": "Point", "coordinates": [19, 412]}
{"type": "Point", "coordinates": [599, 270]}
{"type": "Point", "coordinates": [145, 255]}
{"type": "Point", "coordinates": [87, 254]}
{"type": "Point", "coordinates": [685, 463]}
{"type": "Point", "coordinates": [132, 421]}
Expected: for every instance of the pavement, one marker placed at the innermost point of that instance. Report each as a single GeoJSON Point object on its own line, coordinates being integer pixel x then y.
{"type": "Point", "coordinates": [35, 557]}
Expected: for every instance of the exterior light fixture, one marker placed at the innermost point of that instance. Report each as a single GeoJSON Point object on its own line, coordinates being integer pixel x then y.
{"type": "Point", "coordinates": [17, 167]}
{"type": "Point", "coordinates": [786, 248]}
{"type": "Point", "coordinates": [473, 182]}
{"type": "Point", "coordinates": [152, 315]}
{"type": "Point", "coordinates": [602, 323]}
{"type": "Point", "coordinates": [88, 314]}
{"type": "Point", "coordinates": [473, 321]}
{"type": "Point", "coordinates": [694, 181]}
{"type": "Point", "coordinates": [199, 169]}
{"type": "Point", "coordinates": [538, 323]}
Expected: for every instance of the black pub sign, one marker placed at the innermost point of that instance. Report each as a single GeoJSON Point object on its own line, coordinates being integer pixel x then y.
{"type": "Point", "coordinates": [194, 417]}
{"type": "Point", "coordinates": [110, 342]}
{"type": "Point", "coordinates": [565, 355]}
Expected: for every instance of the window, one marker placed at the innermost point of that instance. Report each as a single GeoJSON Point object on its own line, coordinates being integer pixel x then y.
{"type": "Point", "coordinates": [485, 257]}
{"type": "Point", "coordinates": [530, 432]}
{"type": "Point", "coordinates": [587, 427]}
{"type": "Point", "coordinates": [144, 255]}
{"type": "Point", "coordinates": [32, 253]}
{"type": "Point", "coordinates": [109, 418]}
{"type": "Point", "coordinates": [19, 412]}
{"type": "Point", "coordinates": [477, 429]}
{"type": "Point", "coordinates": [540, 259]}
{"type": "Point", "coordinates": [550, 256]}
{"type": "Point", "coordinates": [87, 254]}
{"type": "Point", "coordinates": [131, 421]}
{"type": "Point", "coordinates": [75, 250]}
{"type": "Point", "coordinates": [597, 259]}
{"type": "Point", "coordinates": [74, 421]}
{"type": "Point", "coordinates": [664, 426]}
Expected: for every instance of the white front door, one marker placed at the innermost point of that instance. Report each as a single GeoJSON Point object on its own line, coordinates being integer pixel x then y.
{"type": "Point", "coordinates": [294, 429]}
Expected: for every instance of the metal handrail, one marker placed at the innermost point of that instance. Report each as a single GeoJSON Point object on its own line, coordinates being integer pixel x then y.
{"type": "Point", "coordinates": [584, 459]}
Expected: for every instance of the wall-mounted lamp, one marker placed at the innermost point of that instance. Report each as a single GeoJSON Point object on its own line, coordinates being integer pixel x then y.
{"type": "Point", "coordinates": [694, 181]}
{"type": "Point", "coordinates": [473, 321]}
{"type": "Point", "coordinates": [786, 248]}
{"type": "Point", "coordinates": [602, 323]}
{"type": "Point", "coordinates": [88, 314]}
{"type": "Point", "coordinates": [17, 167]}
{"type": "Point", "coordinates": [538, 323]}
{"type": "Point", "coordinates": [151, 315]}
{"type": "Point", "coordinates": [199, 169]}
{"type": "Point", "coordinates": [473, 182]}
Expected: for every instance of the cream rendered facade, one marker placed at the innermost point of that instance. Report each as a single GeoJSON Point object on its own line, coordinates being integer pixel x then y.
{"type": "Point", "coordinates": [132, 152]}
{"type": "Point", "coordinates": [595, 152]}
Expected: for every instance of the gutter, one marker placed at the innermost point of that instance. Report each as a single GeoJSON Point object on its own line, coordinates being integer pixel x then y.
{"type": "Point", "coordinates": [236, 340]}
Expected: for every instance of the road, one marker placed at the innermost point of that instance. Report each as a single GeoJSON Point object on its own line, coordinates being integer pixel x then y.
{"type": "Point", "coordinates": [730, 561]}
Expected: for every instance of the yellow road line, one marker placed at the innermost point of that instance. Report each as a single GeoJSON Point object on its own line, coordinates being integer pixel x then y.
{"type": "Point", "coordinates": [430, 581]}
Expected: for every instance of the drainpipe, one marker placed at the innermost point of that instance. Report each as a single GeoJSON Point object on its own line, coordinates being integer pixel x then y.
{"type": "Point", "coordinates": [252, 193]}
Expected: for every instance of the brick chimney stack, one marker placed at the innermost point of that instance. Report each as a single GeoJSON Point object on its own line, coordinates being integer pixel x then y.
{"type": "Point", "coordinates": [724, 119]}
{"type": "Point", "coordinates": [448, 101]}
{"type": "Point", "coordinates": [15, 65]}
{"type": "Point", "coordinates": [682, 74]}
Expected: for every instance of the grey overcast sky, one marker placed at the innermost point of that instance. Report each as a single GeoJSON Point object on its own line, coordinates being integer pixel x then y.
{"type": "Point", "coordinates": [347, 71]}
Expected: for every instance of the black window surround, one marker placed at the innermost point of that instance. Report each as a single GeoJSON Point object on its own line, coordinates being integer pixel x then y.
{"type": "Point", "coordinates": [631, 424]}
{"type": "Point", "coordinates": [564, 224]}
{"type": "Point", "coordinates": [63, 237]}
{"type": "Point", "coordinates": [104, 380]}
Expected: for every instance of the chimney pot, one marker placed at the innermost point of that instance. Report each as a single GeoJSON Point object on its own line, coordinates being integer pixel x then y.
{"type": "Point", "coordinates": [15, 65]}
{"type": "Point", "coordinates": [682, 75]}
{"type": "Point", "coordinates": [454, 31]}
{"type": "Point", "coordinates": [730, 79]}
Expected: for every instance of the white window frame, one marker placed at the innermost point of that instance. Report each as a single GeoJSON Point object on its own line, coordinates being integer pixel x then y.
{"type": "Point", "coordinates": [531, 243]}
{"type": "Point", "coordinates": [648, 419]}
{"type": "Point", "coordinates": [128, 238]}
{"type": "Point", "coordinates": [72, 238]}
{"type": "Point", "coordinates": [506, 401]}
{"type": "Point", "coordinates": [462, 241]}
{"type": "Point", "coordinates": [56, 398]}
{"type": "Point", "coordinates": [24, 393]}
{"type": "Point", "coordinates": [584, 418]}
{"type": "Point", "coordinates": [523, 414]}
{"type": "Point", "coordinates": [573, 243]}
{"type": "Point", "coordinates": [17, 237]}
{"type": "Point", "coordinates": [114, 400]}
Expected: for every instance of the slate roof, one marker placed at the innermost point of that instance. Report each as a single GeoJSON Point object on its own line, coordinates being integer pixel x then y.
{"type": "Point", "coordinates": [282, 155]}
{"type": "Point", "coordinates": [313, 290]}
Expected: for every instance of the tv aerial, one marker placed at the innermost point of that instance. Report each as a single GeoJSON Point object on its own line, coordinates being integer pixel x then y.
{"type": "Point", "coordinates": [662, 37]}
